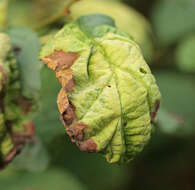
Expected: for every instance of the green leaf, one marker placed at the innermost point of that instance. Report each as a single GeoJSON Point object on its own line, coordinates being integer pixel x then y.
{"type": "Point", "coordinates": [114, 94]}
{"type": "Point", "coordinates": [89, 22]}
{"type": "Point", "coordinates": [27, 46]}
{"type": "Point", "coordinates": [173, 19]}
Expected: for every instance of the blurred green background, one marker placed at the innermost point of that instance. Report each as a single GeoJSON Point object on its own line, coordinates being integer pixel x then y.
{"type": "Point", "coordinates": [165, 30]}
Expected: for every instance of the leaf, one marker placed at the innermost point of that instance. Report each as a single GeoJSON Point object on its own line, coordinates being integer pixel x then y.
{"type": "Point", "coordinates": [126, 18]}
{"type": "Point", "coordinates": [3, 15]}
{"type": "Point", "coordinates": [27, 46]}
{"type": "Point", "coordinates": [173, 19]}
{"type": "Point", "coordinates": [34, 157]}
{"type": "Point", "coordinates": [109, 96]}
{"type": "Point", "coordinates": [20, 12]}
{"type": "Point", "coordinates": [87, 23]}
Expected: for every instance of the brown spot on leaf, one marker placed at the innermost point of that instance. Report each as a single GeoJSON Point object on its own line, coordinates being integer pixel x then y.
{"type": "Point", "coordinates": [62, 101]}
{"type": "Point", "coordinates": [76, 132]}
{"type": "Point", "coordinates": [156, 107]}
{"type": "Point", "coordinates": [69, 115]}
{"type": "Point", "coordinates": [60, 60]}
{"type": "Point", "coordinates": [65, 77]}
{"type": "Point", "coordinates": [88, 146]}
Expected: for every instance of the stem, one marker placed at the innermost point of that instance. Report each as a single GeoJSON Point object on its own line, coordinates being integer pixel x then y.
{"type": "Point", "coordinates": [52, 19]}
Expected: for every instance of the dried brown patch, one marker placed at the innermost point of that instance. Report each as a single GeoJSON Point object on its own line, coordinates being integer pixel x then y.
{"type": "Point", "coordinates": [62, 101]}
{"type": "Point", "coordinates": [156, 107]}
{"type": "Point", "coordinates": [88, 146]}
{"type": "Point", "coordinates": [69, 115]}
{"type": "Point", "coordinates": [76, 132]}
{"type": "Point", "coordinates": [60, 60]}
{"type": "Point", "coordinates": [61, 63]}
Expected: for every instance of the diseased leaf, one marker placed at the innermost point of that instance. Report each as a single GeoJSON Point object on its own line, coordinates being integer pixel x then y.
{"type": "Point", "coordinates": [16, 128]}
{"type": "Point", "coordinates": [109, 97]}
{"type": "Point", "coordinates": [27, 46]}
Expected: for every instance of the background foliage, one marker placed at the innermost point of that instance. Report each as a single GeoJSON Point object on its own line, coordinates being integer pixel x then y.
{"type": "Point", "coordinates": [51, 161]}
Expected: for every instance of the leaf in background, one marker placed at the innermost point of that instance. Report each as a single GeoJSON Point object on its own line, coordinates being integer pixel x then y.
{"type": "Point", "coordinates": [185, 56]}
{"type": "Point", "coordinates": [37, 11]}
{"type": "Point", "coordinates": [34, 157]}
{"type": "Point", "coordinates": [47, 120]}
{"type": "Point", "coordinates": [52, 179]}
{"type": "Point", "coordinates": [27, 47]}
{"type": "Point", "coordinates": [178, 92]}
{"type": "Point", "coordinates": [3, 13]}
{"type": "Point", "coordinates": [173, 19]}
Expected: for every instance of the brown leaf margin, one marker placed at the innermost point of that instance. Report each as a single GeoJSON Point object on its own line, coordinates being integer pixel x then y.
{"type": "Point", "coordinates": [61, 63]}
